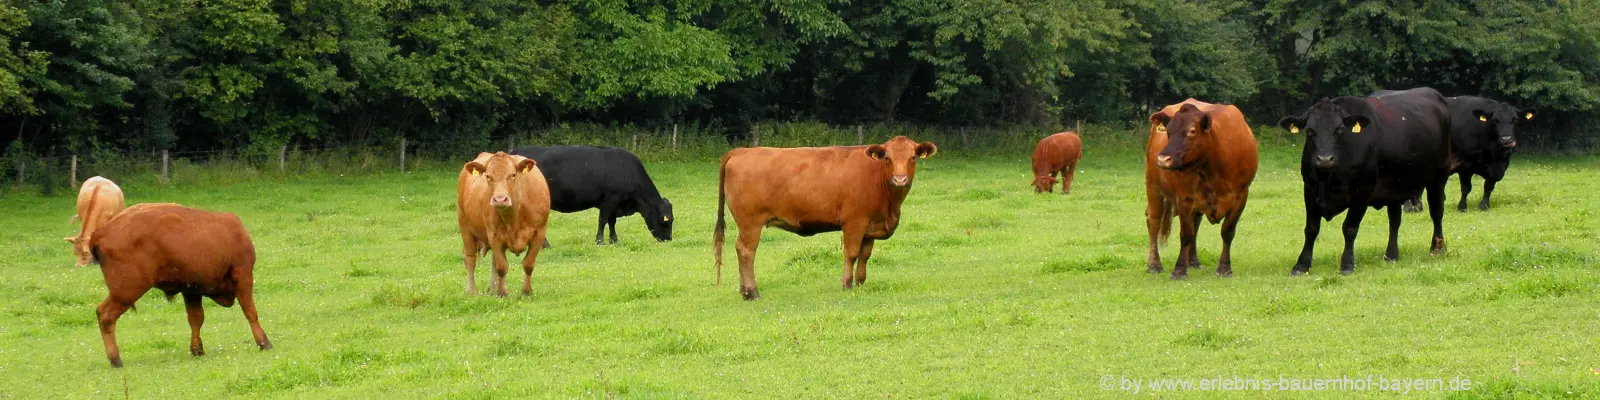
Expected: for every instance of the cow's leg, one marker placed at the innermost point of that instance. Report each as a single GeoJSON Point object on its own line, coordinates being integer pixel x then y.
{"type": "Point", "coordinates": [1188, 223]}
{"type": "Point", "coordinates": [1488, 189]}
{"type": "Point", "coordinates": [1193, 258]}
{"type": "Point", "coordinates": [1229, 226]}
{"type": "Point", "coordinates": [469, 253]}
{"type": "Point", "coordinates": [749, 239]}
{"type": "Point", "coordinates": [1466, 187]}
{"type": "Point", "coordinates": [501, 267]}
{"type": "Point", "coordinates": [1436, 212]}
{"type": "Point", "coordinates": [612, 222]}
{"type": "Point", "coordinates": [197, 317]}
{"type": "Point", "coordinates": [600, 231]}
{"type": "Point", "coordinates": [853, 235]}
{"type": "Point", "coordinates": [1392, 253]}
{"type": "Point", "coordinates": [108, 312]}
{"type": "Point", "coordinates": [861, 261]}
{"type": "Point", "coordinates": [527, 263]}
{"type": "Point", "coordinates": [1156, 219]}
{"type": "Point", "coordinates": [1313, 226]}
{"type": "Point", "coordinates": [1352, 226]}
{"type": "Point", "coordinates": [245, 289]}
{"type": "Point", "coordinates": [1066, 179]}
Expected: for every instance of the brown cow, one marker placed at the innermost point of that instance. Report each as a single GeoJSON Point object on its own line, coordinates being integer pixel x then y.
{"type": "Point", "coordinates": [810, 190]}
{"type": "Point", "coordinates": [1058, 153]}
{"type": "Point", "coordinates": [1200, 159]}
{"type": "Point", "coordinates": [502, 204]}
{"type": "Point", "coordinates": [98, 200]}
{"type": "Point", "coordinates": [177, 249]}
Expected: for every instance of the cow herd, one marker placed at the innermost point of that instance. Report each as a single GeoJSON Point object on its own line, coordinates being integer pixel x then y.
{"type": "Point", "coordinates": [1384, 150]}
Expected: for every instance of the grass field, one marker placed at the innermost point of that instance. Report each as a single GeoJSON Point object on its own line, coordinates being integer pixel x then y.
{"type": "Point", "coordinates": [986, 291]}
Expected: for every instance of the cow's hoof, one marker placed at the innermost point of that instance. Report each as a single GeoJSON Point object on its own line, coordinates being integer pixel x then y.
{"type": "Point", "coordinates": [1439, 247]}
{"type": "Point", "coordinates": [197, 352]}
{"type": "Point", "coordinates": [1154, 269]}
{"type": "Point", "coordinates": [1297, 271]}
{"type": "Point", "coordinates": [751, 294]}
{"type": "Point", "coordinates": [1483, 207]}
{"type": "Point", "coordinates": [1461, 208]}
{"type": "Point", "coordinates": [1391, 257]}
{"type": "Point", "coordinates": [1224, 271]}
{"type": "Point", "coordinates": [116, 362]}
{"type": "Point", "coordinates": [265, 345]}
{"type": "Point", "coordinates": [1347, 271]}
{"type": "Point", "coordinates": [1178, 277]}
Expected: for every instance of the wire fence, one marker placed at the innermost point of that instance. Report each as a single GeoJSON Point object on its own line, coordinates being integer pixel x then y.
{"type": "Point", "coordinates": [54, 173]}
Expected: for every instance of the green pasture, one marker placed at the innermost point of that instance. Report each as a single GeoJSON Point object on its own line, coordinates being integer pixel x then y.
{"type": "Point", "coordinates": [986, 291]}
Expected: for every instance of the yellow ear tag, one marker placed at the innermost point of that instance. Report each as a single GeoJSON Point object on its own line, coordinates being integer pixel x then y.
{"type": "Point", "coordinates": [1356, 128]}
{"type": "Point", "coordinates": [1161, 129]}
{"type": "Point", "coordinates": [1529, 116]}
{"type": "Point", "coordinates": [474, 172]}
{"type": "Point", "coordinates": [1483, 118]}
{"type": "Point", "coordinates": [665, 219]}
{"type": "Point", "coordinates": [1294, 129]}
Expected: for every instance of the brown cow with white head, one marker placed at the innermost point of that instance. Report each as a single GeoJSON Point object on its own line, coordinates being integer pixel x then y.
{"type": "Point", "coordinates": [810, 190]}
{"type": "Point", "coordinates": [502, 204]}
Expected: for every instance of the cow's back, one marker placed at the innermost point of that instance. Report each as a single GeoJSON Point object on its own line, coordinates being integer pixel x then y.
{"type": "Point", "coordinates": [183, 244]}
{"type": "Point", "coordinates": [806, 184]}
{"type": "Point", "coordinates": [581, 177]}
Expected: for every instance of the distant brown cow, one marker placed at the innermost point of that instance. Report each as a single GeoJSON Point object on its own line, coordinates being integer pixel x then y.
{"type": "Point", "coordinates": [98, 200]}
{"type": "Point", "coordinates": [1058, 153]}
{"type": "Point", "coordinates": [1200, 159]}
{"type": "Point", "coordinates": [502, 204]}
{"type": "Point", "coordinates": [176, 249]}
{"type": "Point", "coordinates": [811, 190]}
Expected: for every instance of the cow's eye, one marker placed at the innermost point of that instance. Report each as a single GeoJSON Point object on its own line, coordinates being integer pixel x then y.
{"type": "Point", "coordinates": [1192, 132]}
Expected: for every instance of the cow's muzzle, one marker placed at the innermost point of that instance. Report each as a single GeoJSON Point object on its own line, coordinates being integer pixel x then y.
{"type": "Point", "coordinates": [1165, 161]}
{"type": "Point", "coordinates": [1508, 142]}
{"type": "Point", "coordinates": [500, 201]}
{"type": "Point", "coordinates": [1322, 161]}
{"type": "Point", "coordinates": [900, 180]}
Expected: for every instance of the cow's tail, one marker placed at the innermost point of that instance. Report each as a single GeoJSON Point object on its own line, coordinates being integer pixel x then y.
{"type": "Point", "coordinates": [1164, 222]}
{"type": "Point", "coordinates": [722, 223]}
{"type": "Point", "coordinates": [94, 254]}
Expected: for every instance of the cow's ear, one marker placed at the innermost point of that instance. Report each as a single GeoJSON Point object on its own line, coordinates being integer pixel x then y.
{"type": "Point", "coordinates": [1357, 123]}
{"type": "Point", "coordinates": [475, 168]}
{"type": "Point", "coordinates": [876, 152]}
{"type": "Point", "coordinates": [1205, 122]}
{"type": "Point", "coordinates": [1527, 113]}
{"type": "Point", "coordinates": [524, 165]}
{"type": "Point", "coordinates": [1159, 121]}
{"type": "Point", "coordinates": [1292, 124]}
{"type": "Point", "coordinates": [72, 240]}
{"type": "Point", "coordinates": [926, 149]}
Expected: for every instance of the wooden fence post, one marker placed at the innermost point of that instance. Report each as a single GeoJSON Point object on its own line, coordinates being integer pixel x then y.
{"type": "Point", "coordinates": [402, 154]}
{"type": "Point", "coordinates": [511, 143]}
{"type": "Point", "coordinates": [964, 137]}
{"type": "Point", "coordinates": [755, 135]}
{"type": "Point", "coordinates": [859, 138]}
{"type": "Point", "coordinates": [1078, 127]}
{"type": "Point", "coordinates": [165, 159]}
{"type": "Point", "coordinates": [73, 176]}
{"type": "Point", "coordinates": [22, 167]}
{"type": "Point", "coordinates": [635, 142]}
{"type": "Point", "coordinates": [282, 152]}
{"type": "Point", "coordinates": [674, 136]}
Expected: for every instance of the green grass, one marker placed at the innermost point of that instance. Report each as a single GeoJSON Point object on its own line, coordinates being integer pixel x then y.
{"type": "Point", "coordinates": [987, 291]}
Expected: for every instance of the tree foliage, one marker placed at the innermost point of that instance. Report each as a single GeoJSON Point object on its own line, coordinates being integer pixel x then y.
{"type": "Point", "coordinates": [256, 74]}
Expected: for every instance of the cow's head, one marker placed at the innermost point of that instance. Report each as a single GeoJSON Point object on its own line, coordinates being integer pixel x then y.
{"type": "Point", "coordinates": [1189, 137]}
{"type": "Point", "coordinates": [1331, 133]}
{"type": "Point", "coordinates": [80, 249]}
{"type": "Point", "coordinates": [901, 154]}
{"type": "Point", "coordinates": [1502, 119]}
{"type": "Point", "coordinates": [500, 171]}
{"type": "Point", "coordinates": [1044, 183]}
{"type": "Point", "coordinates": [658, 217]}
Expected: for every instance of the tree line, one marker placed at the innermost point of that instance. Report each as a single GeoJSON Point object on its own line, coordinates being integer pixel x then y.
{"type": "Point", "coordinates": [138, 75]}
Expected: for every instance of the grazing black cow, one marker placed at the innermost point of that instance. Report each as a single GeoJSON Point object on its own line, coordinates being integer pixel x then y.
{"type": "Point", "coordinates": [1372, 152]}
{"type": "Point", "coordinates": [1482, 139]}
{"type": "Point", "coordinates": [608, 178]}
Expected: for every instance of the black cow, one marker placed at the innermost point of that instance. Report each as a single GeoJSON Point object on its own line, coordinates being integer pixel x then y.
{"type": "Point", "coordinates": [1372, 152]}
{"type": "Point", "coordinates": [608, 178]}
{"type": "Point", "coordinates": [1482, 139]}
